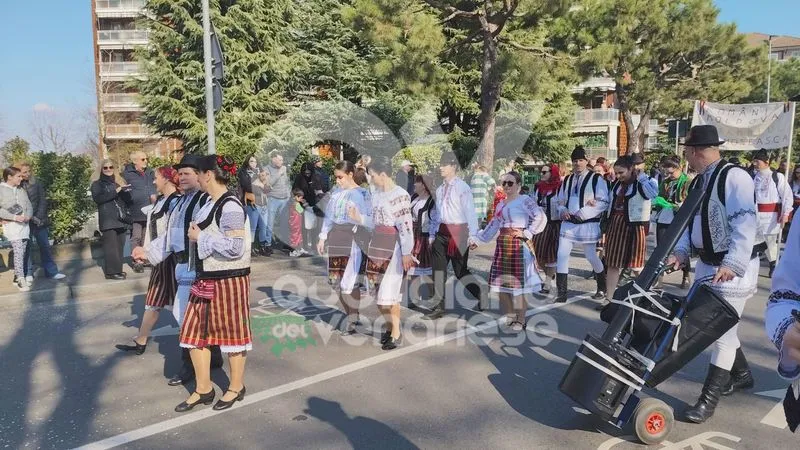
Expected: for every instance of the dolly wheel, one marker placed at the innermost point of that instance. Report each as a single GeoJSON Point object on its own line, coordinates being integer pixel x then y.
{"type": "Point", "coordinates": [653, 421]}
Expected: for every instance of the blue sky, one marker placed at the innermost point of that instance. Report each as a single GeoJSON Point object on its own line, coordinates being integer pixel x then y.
{"type": "Point", "coordinates": [46, 51]}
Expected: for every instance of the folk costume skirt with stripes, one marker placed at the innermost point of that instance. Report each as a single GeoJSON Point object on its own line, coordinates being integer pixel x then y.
{"type": "Point", "coordinates": [223, 319]}
{"type": "Point", "coordinates": [163, 285]}
{"type": "Point", "coordinates": [546, 244]}
{"type": "Point", "coordinates": [626, 243]}
{"type": "Point", "coordinates": [385, 267]}
{"type": "Point", "coordinates": [421, 251]}
{"type": "Point", "coordinates": [344, 258]}
{"type": "Point", "coordinates": [513, 267]}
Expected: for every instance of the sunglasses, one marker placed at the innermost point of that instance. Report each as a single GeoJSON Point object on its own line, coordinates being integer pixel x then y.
{"type": "Point", "coordinates": [108, 167]}
{"type": "Point", "coordinates": [508, 183]}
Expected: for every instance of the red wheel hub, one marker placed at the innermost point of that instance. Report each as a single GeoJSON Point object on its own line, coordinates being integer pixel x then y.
{"type": "Point", "coordinates": [655, 423]}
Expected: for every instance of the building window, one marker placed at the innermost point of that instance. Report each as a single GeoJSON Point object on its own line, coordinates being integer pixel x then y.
{"type": "Point", "coordinates": [793, 53]}
{"type": "Point", "coordinates": [598, 102]}
{"type": "Point", "coordinates": [775, 56]}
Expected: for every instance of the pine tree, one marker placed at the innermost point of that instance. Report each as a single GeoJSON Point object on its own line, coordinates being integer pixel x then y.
{"type": "Point", "coordinates": [261, 64]}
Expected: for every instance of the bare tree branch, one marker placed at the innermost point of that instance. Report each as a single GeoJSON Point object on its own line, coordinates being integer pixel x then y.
{"type": "Point", "coordinates": [544, 52]}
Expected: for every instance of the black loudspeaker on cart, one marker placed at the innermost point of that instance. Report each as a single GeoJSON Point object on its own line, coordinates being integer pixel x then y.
{"type": "Point", "coordinates": [650, 336]}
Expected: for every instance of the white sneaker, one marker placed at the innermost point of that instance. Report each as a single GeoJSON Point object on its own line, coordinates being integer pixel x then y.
{"type": "Point", "coordinates": [29, 279]}
{"type": "Point", "coordinates": [58, 276]}
{"type": "Point", "coordinates": [23, 286]}
{"type": "Point", "coordinates": [295, 253]}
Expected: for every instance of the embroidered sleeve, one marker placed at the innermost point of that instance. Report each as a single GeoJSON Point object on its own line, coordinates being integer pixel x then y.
{"type": "Point", "coordinates": [401, 209]}
{"type": "Point", "coordinates": [537, 220]}
{"type": "Point", "coordinates": [741, 209]}
{"type": "Point", "coordinates": [601, 203]}
{"type": "Point", "coordinates": [683, 247]}
{"type": "Point", "coordinates": [157, 250]}
{"type": "Point", "coordinates": [786, 195]}
{"type": "Point", "coordinates": [491, 229]}
{"type": "Point", "coordinates": [777, 321]}
{"type": "Point", "coordinates": [649, 186]}
{"type": "Point", "coordinates": [230, 243]}
{"type": "Point", "coordinates": [363, 203]}
{"type": "Point", "coordinates": [562, 198]}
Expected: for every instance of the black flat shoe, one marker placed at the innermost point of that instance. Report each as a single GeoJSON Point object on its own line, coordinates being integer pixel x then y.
{"type": "Point", "coordinates": [392, 343]}
{"type": "Point", "coordinates": [433, 315]}
{"type": "Point", "coordinates": [136, 347]}
{"type": "Point", "coordinates": [412, 306]}
{"type": "Point", "coordinates": [206, 399]}
{"type": "Point", "coordinates": [116, 276]}
{"type": "Point", "coordinates": [385, 336]}
{"type": "Point", "coordinates": [183, 377]}
{"type": "Point", "coordinates": [222, 404]}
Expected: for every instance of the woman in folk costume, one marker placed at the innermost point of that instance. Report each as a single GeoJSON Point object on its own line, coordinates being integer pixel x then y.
{"type": "Point", "coordinates": [423, 211]}
{"type": "Point", "coordinates": [546, 242]}
{"type": "Point", "coordinates": [629, 214]}
{"type": "Point", "coordinates": [783, 328]}
{"type": "Point", "coordinates": [671, 194]}
{"type": "Point", "coordinates": [389, 255]}
{"type": "Point", "coordinates": [219, 304]}
{"type": "Point", "coordinates": [163, 285]}
{"type": "Point", "coordinates": [339, 232]}
{"type": "Point", "coordinates": [513, 274]}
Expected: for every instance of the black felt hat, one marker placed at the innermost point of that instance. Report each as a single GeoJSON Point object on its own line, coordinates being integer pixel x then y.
{"type": "Point", "coordinates": [578, 153]}
{"type": "Point", "coordinates": [761, 155]}
{"type": "Point", "coordinates": [703, 136]}
{"type": "Point", "coordinates": [189, 160]}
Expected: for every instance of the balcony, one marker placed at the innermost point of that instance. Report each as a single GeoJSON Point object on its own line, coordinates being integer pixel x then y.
{"type": "Point", "coordinates": [122, 38]}
{"type": "Point", "coordinates": [605, 152]}
{"type": "Point", "coordinates": [595, 120]}
{"type": "Point", "coordinates": [132, 132]}
{"type": "Point", "coordinates": [119, 70]}
{"type": "Point", "coordinates": [118, 8]}
{"type": "Point", "coordinates": [121, 102]}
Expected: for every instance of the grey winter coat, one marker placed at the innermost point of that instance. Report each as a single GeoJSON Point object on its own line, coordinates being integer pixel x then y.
{"type": "Point", "coordinates": [142, 188]}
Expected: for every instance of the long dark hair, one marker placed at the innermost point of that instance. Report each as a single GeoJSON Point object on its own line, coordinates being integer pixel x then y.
{"type": "Point", "coordinates": [345, 166]}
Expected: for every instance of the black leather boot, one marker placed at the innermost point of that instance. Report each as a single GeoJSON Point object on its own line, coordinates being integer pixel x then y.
{"type": "Point", "coordinates": [601, 285]}
{"type": "Point", "coordinates": [561, 287]}
{"type": "Point", "coordinates": [712, 390]}
{"type": "Point", "coordinates": [771, 268]}
{"type": "Point", "coordinates": [216, 357]}
{"type": "Point", "coordinates": [741, 377]}
{"type": "Point", "coordinates": [186, 374]}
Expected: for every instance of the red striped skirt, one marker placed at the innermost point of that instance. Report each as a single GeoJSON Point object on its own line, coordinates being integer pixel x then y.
{"type": "Point", "coordinates": [421, 251]}
{"type": "Point", "coordinates": [508, 265]}
{"type": "Point", "coordinates": [381, 250]}
{"type": "Point", "coordinates": [223, 319]}
{"type": "Point", "coordinates": [163, 285]}
{"type": "Point", "coordinates": [546, 244]}
{"type": "Point", "coordinates": [626, 243]}
{"type": "Point", "coordinates": [340, 243]}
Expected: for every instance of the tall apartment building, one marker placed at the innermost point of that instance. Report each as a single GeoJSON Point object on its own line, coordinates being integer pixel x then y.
{"type": "Point", "coordinates": [783, 47]}
{"type": "Point", "coordinates": [116, 35]}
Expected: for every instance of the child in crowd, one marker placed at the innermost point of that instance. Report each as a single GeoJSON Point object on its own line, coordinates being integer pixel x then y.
{"type": "Point", "coordinates": [296, 216]}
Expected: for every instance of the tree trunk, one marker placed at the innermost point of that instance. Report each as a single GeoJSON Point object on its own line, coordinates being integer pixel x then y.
{"type": "Point", "coordinates": [490, 98]}
{"type": "Point", "coordinates": [630, 130]}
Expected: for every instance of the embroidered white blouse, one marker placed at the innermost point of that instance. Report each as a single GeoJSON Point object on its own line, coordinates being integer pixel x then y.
{"type": "Point", "coordinates": [455, 205]}
{"type": "Point", "coordinates": [393, 209]}
{"type": "Point", "coordinates": [522, 212]}
{"type": "Point", "coordinates": [336, 210]}
{"type": "Point", "coordinates": [768, 193]}
{"type": "Point", "coordinates": [174, 239]}
{"type": "Point", "coordinates": [785, 297]}
{"type": "Point", "coordinates": [230, 243]}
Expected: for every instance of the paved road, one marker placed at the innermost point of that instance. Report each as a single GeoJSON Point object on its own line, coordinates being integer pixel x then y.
{"type": "Point", "coordinates": [465, 384]}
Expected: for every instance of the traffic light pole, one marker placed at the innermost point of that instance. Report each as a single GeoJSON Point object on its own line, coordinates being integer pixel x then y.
{"type": "Point", "coordinates": [207, 62]}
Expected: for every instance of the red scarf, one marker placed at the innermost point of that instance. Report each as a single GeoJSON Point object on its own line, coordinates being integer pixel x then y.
{"type": "Point", "coordinates": [550, 186]}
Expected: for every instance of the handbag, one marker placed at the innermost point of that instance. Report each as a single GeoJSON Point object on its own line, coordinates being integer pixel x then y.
{"type": "Point", "coordinates": [123, 214]}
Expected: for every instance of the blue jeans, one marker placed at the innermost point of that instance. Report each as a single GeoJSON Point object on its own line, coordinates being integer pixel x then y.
{"type": "Point", "coordinates": [257, 224]}
{"type": "Point", "coordinates": [42, 237]}
{"type": "Point", "coordinates": [276, 207]}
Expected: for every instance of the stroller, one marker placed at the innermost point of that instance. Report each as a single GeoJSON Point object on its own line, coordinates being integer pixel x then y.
{"type": "Point", "coordinates": [650, 336]}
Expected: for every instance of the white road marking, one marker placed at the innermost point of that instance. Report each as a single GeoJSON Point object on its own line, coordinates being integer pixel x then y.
{"type": "Point", "coordinates": [550, 356]}
{"type": "Point", "coordinates": [192, 417]}
{"type": "Point", "coordinates": [775, 417]}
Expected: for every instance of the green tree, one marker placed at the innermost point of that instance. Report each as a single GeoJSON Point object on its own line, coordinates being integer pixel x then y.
{"type": "Point", "coordinates": [784, 85]}
{"type": "Point", "coordinates": [66, 179]}
{"type": "Point", "coordinates": [468, 54]}
{"type": "Point", "coordinates": [14, 150]}
{"type": "Point", "coordinates": [261, 63]}
{"type": "Point", "coordinates": [661, 54]}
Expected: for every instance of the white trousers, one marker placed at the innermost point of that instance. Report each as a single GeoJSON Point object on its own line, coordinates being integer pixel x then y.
{"type": "Point", "coordinates": [736, 292]}
{"type": "Point", "coordinates": [772, 247]}
{"type": "Point", "coordinates": [185, 279]}
{"type": "Point", "coordinates": [589, 250]}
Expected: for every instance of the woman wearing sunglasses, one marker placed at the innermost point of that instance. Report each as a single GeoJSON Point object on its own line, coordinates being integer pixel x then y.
{"type": "Point", "coordinates": [113, 198]}
{"type": "Point", "coordinates": [513, 274]}
{"type": "Point", "coordinates": [546, 242]}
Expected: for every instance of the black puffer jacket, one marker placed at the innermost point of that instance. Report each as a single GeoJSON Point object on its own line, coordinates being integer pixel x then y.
{"type": "Point", "coordinates": [36, 195]}
{"type": "Point", "coordinates": [109, 202]}
{"type": "Point", "coordinates": [142, 188]}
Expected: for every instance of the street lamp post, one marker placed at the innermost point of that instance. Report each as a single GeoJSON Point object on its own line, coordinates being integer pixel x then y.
{"type": "Point", "coordinates": [207, 60]}
{"type": "Point", "coordinates": [769, 66]}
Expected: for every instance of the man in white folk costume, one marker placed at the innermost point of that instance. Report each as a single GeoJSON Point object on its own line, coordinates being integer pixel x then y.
{"type": "Point", "coordinates": [582, 199]}
{"type": "Point", "coordinates": [176, 242]}
{"type": "Point", "coordinates": [775, 200]}
{"type": "Point", "coordinates": [725, 234]}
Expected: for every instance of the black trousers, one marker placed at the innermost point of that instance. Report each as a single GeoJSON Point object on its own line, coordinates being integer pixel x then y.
{"type": "Point", "coordinates": [137, 234]}
{"type": "Point", "coordinates": [113, 244]}
{"type": "Point", "coordinates": [439, 263]}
